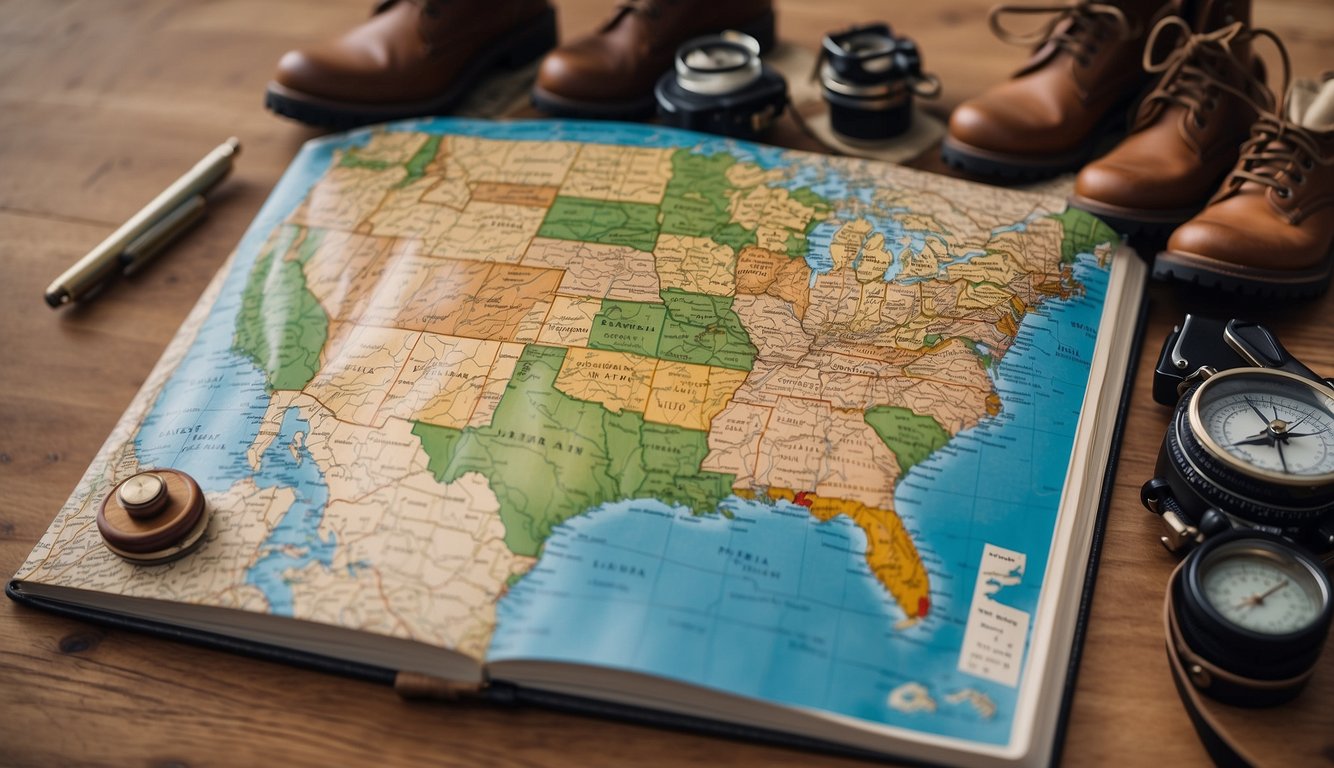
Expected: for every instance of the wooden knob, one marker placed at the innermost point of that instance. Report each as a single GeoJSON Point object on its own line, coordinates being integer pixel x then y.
{"type": "Point", "coordinates": [153, 517]}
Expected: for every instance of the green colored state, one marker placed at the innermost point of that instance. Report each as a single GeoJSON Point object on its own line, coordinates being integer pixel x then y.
{"type": "Point", "coordinates": [703, 329]}
{"type": "Point", "coordinates": [628, 326]}
{"type": "Point", "coordinates": [353, 159]}
{"type": "Point", "coordinates": [415, 166]}
{"type": "Point", "coordinates": [698, 198]}
{"type": "Point", "coordinates": [1082, 233]}
{"type": "Point", "coordinates": [421, 160]}
{"type": "Point", "coordinates": [281, 325]}
{"type": "Point", "coordinates": [609, 222]}
{"type": "Point", "coordinates": [548, 456]}
{"type": "Point", "coordinates": [686, 327]}
{"type": "Point", "coordinates": [910, 436]}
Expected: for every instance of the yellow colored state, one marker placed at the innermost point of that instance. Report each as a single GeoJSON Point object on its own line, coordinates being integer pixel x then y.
{"type": "Point", "coordinates": [689, 396]}
{"type": "Point", "coordinates": [618, 380]}
{"type": "Point", "coordinates": [890, 552]}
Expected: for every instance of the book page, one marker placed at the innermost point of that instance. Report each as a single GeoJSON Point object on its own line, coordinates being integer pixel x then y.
{"type": "Point", "coordinates": [740, 417]}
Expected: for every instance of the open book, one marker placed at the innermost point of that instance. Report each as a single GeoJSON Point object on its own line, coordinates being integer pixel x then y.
{"type": "Point", "coordinates": [608, 413]}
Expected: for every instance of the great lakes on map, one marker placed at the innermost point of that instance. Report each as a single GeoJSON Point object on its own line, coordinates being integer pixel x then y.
{"type": "Point", "coordinates": [444, 344]}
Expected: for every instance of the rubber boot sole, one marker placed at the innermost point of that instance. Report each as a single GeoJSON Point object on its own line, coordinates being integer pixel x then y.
{"type": "Point", "coordinates": [1018, 168]}
{"type": "Point", "coordinates": [761, 28]}
{"type": "Point", "coordinates": [1244, 281]}
{"type": "Point", "coordinates": [1135, 221]}
{"type": "Point", "coordinates": [512, 50]}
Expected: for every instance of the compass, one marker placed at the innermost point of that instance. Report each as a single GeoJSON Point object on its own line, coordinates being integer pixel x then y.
{"type": "Point", "coordinates": [1248, 615]}
{"type": "Point", "coordinates": [1249, 447]}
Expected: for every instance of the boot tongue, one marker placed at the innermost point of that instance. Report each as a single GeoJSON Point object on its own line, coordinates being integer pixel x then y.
{"type": "Point", "coordinates": [1311, 104]}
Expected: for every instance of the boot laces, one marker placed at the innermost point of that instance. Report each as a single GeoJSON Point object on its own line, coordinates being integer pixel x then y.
{"type": "Point", "coordinates": [1200, 66]}
{"type": "Point", "coordinates": [1078, 27]}
{"type": "Point", "coordinates": [1277, 146]}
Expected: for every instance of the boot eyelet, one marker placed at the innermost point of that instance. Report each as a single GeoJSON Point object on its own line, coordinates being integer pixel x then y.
{"type": "Point", "coordinates": [1308, 164]}
{"type": "Point", "coordinates": [1198, 121]}
{"type": "Point", "coordinates": [1284, 192]}
{"type": "Point", "coordinates": [1297, 178]}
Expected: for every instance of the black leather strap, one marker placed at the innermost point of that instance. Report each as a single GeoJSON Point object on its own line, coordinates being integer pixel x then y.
{"type": "Point", "coordinates": [1194, 675]}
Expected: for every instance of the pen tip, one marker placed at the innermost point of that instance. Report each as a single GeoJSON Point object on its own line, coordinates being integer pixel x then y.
{"type": "Point", "coordinates": [234, 143]}
{"type": "Point", "coordinates": [56, 298]}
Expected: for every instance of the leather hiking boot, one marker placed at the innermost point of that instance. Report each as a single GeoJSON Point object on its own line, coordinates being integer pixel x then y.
{"type": "Point", "coordinates": [1270, 229]}
{"type": "Point", "coordinates": [411, 58]}
{"type": "Point", "coordinates": [1188, 130]}
{"type": "Point", "coordinates": [1075, 91]}
{"type": "Point", "coordinates": [611, 74]}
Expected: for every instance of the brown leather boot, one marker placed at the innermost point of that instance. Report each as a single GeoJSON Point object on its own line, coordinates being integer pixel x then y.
{"type": "Point", "coordinates": [411, 58]}
{"type": "Point", "coordinates": [1270, 229]}
{"type": "Point", "coordinates": [611, 74]}
{"type": "Point", "coordinates": [1076, 90]}
{"type": "Point", "coordinates": [1188, 130]}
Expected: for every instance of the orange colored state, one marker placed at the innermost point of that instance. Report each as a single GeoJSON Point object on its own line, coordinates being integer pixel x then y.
{"type": "Point", "coordinates": [761, 271]}
{"type": "Point", "coordinates": [530, 195]}
{"type": "Point", "coordinates": [503, 301]}
{"type": "Point", "coordinates": [890, 552]}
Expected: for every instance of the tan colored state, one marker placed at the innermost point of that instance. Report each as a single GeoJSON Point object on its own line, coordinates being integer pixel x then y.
{"type": "Point", "coordinates": [847, 243]}
{"type": "Point", "coordinates": [569, 321]}
{"type": "Point", "coordinates": [773, 327]}
{"type": "Point", "coordinates": [617, 380]}
{"type": "Point", "coordinates": [441, 381]}
{"type": "Point", "coordinates": [514, 194]}
{"type": "Point", "coordinates": [441, 547]}
{"type": "Point", "coordinates": [537, 163]}
{"type": "Point", "coordinates": [345, 198]}
{"type": "Point", "coordinates": [502, 370]}
{"type": "Point", "coordinates": [695, 264]}
{"type": "Point", "coordinates": [481, 231]}
{"type": "Point", "coordinates": [774, 207]}
{"type": "Point", "coordinates": [623, 174]}
{"type": "Point", "coordinates": [596, 270]}
{"type": "Point", "coordinates": [359, 365]}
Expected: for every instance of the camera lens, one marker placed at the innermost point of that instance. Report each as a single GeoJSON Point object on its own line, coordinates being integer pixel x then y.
{"type": "Point", "coordinates": [868, 77]}
{"type": "Point", "coordinates": [720, 85]}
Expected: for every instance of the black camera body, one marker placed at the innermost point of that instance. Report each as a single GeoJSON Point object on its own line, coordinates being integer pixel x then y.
{"type": "Point", "coordinates": [719, 85]}
{"type": "Point", "coordinates": [868, 76]}
{"type": "Point", "coordinates": [744, 114]}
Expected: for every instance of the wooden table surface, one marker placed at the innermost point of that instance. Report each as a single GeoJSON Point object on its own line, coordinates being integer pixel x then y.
{"type": "Point", "coordinates": [104, 102]}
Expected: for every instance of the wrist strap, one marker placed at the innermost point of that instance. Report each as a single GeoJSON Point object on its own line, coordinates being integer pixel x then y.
{"type": "Point", "coordinates": [1194, 674]}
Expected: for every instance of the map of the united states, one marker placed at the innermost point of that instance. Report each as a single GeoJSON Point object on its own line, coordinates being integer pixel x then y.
{"type": "Point", "coordinates": [438, 351]}
{"type": "Point", "coordinates": [578, 324]}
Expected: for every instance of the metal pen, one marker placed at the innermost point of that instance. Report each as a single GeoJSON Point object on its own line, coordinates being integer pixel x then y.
{"type": "Point", "coordinates": [148, 231]}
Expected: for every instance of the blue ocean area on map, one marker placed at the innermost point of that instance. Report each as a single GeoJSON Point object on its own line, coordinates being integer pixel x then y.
{"type": "Point", "coordinates": [771, 603]}
{"type": "Point", "coordinates": [294, 543]}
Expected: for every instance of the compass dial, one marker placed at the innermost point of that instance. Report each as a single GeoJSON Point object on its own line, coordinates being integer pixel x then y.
{"type": "Point", "coordinates": [1268, 423]}
{"type": "Point", "coordinates": [1261, 591]}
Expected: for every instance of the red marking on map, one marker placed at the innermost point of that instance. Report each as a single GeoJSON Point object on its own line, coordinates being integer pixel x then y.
{"type": "Point", "coordinates": [804, 499]}
{"type": "Point", "coordinates": [923, 605]}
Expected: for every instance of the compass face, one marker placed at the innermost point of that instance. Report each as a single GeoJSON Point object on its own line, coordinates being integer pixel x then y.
{"type": "Point", "coordinates": [1262, 591]}
{"type": "Point", "coordinates": [1270, 424]}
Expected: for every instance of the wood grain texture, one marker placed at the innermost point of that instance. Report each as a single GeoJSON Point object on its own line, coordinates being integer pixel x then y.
{"type": "Point", "coordinates": [104, 102]}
